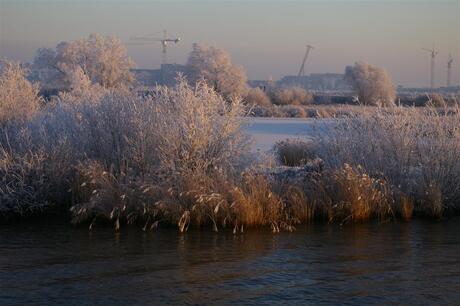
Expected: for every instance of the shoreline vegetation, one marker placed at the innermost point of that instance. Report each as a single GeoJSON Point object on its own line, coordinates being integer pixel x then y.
{"type": "Point", "coordinates": [102, 152]}
{"type": "Point", "coordinates": [179, 159]}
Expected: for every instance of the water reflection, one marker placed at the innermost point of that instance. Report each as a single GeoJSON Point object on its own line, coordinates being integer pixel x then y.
{"type": "Point", "coordinates": [413, 263]}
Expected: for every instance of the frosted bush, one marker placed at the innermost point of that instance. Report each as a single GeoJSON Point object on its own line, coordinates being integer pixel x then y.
{"type": "Point", "coordinates": [291, 96]}
{"type": "Point", "coordinates": [373, 84]}
{"type": "Point", "coordinates": [257, 96]}
{"type": "Point", "coordinates": [197, 129]}
{"type": "Point", "coordinates": [19, 99]}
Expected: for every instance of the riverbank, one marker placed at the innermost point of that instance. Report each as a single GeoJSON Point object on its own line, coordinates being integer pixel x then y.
{"type": "Point", "coordinates": [276, 197]}
{"type": "Point", "coordinates": [345, 106]}
{"type": "Point", "coordinates": [329, 111]}
{"type": "Point", "coordinates": [183, 158]}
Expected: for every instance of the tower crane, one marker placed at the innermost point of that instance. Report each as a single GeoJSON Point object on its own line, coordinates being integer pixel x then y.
{"type": "Point", "coordinates": [165, 40]}
{"type": "Point", "coordinates": [302, 67]}
{"type": "Point", "coordinates": [450, 61]}
{"type": "Point", "coordinates": [433, 52]}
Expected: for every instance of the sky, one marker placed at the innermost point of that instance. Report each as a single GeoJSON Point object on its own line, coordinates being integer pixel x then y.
{"type": "Point", "coordinates": [268, 38]}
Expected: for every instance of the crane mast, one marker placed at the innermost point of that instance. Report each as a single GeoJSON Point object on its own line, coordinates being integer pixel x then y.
{"type": "Point", "coordinates": [302, 67]}
{"type": "Point", "coordinates": [433, 52]}
{"type": "Point", "coordinates": [450, 61]}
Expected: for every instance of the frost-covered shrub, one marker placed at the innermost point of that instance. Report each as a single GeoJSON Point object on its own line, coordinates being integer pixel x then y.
{"type": "Point", "coordinates": [257, 96]}
{"type": "Point", "coordinates": [197, 129]}
{"type": "Point", "coordinates": [19, 99]}
{"type": "Point", "coordinates": [291, 96]}
{"type": "Point", "coordinates": [373, 84]}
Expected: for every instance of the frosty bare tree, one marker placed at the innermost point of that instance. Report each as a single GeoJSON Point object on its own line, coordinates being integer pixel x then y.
{"type": "Point", "coordinates": [103, 60]}
{"type": "Point", "coordinates": [19, 98]}
{"type": "Point", "coordinates": [82, 89]}
{"type": "Point", "coordinates": [373, 84]}
{"type": "Point", "coordinates": [215, 67]}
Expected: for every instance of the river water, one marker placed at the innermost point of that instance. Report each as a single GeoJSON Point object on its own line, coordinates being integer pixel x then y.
{"type": "Point", "coordinates": [392, 263]}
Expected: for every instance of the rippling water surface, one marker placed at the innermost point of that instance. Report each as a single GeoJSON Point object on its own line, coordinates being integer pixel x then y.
{"type": "Point", "coordinates": [392, 263]}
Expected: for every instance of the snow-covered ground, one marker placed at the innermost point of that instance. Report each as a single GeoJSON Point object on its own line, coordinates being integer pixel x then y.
{"type": "Point", "coordinates": [267, 131]}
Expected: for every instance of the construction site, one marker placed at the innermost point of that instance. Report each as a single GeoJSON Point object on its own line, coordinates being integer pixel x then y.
{"type": "Point", "coordinates": [315, 82]}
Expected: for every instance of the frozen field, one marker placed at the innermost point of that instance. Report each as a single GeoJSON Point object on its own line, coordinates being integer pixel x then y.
{"type": "Point", "coordinates": [267, 131]}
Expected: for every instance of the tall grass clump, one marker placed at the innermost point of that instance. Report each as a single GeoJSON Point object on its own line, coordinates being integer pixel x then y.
{"type": "Point", "coordinates": [349, 194]}
{"type": "Point", "coordinates": [35, 176]}
{"type": "Point", "coordinates": [294, 152]}
{"type": "Point", "coordinates": [416, 152]}
{"type": "Point", "coordinates": [255, 203]}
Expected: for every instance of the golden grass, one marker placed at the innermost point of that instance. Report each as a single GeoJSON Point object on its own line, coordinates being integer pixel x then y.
{"type": "Point", "coordinates": [405, 207]}
{"type": "Point", "coordinates": [350, 195]}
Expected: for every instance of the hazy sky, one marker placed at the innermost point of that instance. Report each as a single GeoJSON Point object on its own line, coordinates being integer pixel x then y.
{"type": "Point", "coordinates": [267, 37]}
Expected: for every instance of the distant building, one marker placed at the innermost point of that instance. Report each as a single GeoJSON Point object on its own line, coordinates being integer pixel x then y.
{"type": "Point", "coordinates": [423, 90]}
{"type": "Point", "coordinates": [262, 84]}
{"type": "Point", "coordinates": [166, 75]}
{"type": "Point", "coordinates": [316, 81]}
{"type": "Point", "coordinates": [147, 77]}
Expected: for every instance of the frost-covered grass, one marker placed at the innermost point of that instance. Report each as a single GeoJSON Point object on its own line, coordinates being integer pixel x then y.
{"type": "Point", "coordinates": [178, 157]}
{"type": "Point", "coordinates": [406, 158]}
{"type": "Point", "coordinates": [416, 152]}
